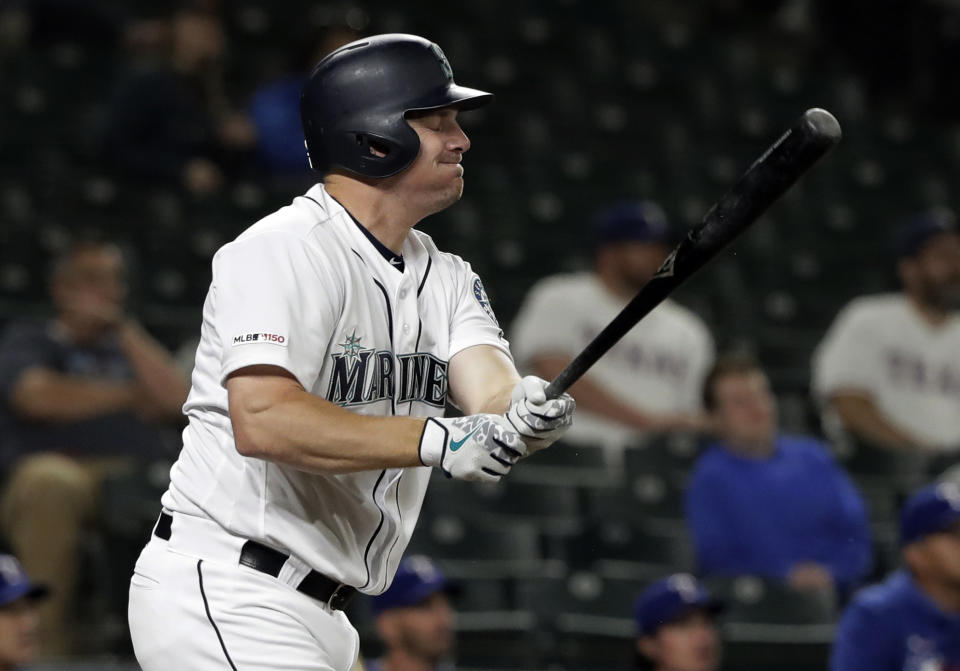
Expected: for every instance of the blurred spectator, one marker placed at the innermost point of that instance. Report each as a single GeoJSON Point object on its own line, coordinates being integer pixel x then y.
{"type": "Point", "coordinates": [911, 620]}
{"type": "Point", "coordinates": [80, 397]}
{"type": "Point", "coordinates": [768, 504]}
{"type": "Point", "coordinates": [676, 626]}
{"type": "Point", "coordinates": [414, 619]}
{"type": "Point", "coordinates": [888, 368]}
{"type": "Point", "coordinates": [19, 597]}
{"type": "Point", "coordinates": [650, 380]}
{"type": "Point", "coordinates": [171, 121]}
{"type": "Point", "coordinates": [275, 107]}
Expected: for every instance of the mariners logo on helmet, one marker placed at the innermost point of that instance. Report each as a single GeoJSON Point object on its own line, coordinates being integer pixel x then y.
{"type": "Point", "coordinates": [444, 63]}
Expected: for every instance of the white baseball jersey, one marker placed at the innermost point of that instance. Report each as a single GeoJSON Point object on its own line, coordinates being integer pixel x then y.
{"type": "Point", "coordinates": [657, 367]}
{"type": "Point", "coordinates": [882, 346]}
{"type": "Point", "coordinates": [308, 290]}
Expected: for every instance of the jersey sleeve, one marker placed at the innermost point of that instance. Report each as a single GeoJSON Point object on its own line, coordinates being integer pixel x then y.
{"type": "Point", "coordinates": [275, 305]}
{"type": "Point", "coordinates": [846, 358]}
{"type": "Point", "coordinates": [864, 642]}
{"type": "Point", "coordinates": [535, 327]}
{"type": "Point", "coordinates": [702, 357]}
{"type": "Point", "coordinates": [473, 321]}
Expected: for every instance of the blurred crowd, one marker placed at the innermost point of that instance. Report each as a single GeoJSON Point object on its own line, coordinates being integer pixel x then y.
{"type": "Point", "coordinates": [90, 399]}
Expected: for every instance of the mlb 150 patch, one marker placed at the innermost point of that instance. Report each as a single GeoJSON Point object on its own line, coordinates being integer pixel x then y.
{"type": "Point", "coordinates": [251, 338]}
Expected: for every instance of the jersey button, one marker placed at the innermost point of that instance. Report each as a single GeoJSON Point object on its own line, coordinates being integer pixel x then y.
{"type": "Point", "coordinates": [406, 328]}
{"type": "Point", "coordinates": [403, 293]}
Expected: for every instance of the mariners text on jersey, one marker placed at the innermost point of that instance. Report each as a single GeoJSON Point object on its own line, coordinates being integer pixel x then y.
{"type": "Point", "coordinates": [368, 376]}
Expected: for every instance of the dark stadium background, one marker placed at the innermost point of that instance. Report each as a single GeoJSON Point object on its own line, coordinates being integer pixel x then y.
{"type": "Point", "coordinates": [597, 100]}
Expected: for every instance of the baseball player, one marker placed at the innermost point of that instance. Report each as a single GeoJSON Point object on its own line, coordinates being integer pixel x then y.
{"type": "Point", "coordinates": [414, 619]}
{"type": "Point", "coordinates": [676, 626]}
{"type": "Point", "coordinates": [650, 380]}
{"type": "Point", "coordinates": [333, 335]}
{"type": "Point", "coordinates": [887, 368]}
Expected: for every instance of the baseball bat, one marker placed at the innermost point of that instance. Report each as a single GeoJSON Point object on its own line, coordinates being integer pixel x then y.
{"type": "Point", "coordinates": [795, 152]}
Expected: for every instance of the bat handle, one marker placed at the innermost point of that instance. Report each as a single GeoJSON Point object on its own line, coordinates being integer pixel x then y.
{"type": "Point", "coordinates": [561, 383]}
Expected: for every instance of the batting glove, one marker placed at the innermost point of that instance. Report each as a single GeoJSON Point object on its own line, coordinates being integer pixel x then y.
{"type": "Point", "coordinates": [475, 447]}
{"type": "Point", "coordinates": [538, 421]}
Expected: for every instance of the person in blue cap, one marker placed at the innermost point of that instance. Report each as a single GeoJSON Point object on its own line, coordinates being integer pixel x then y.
{"type": "Point", "coordinates": [887, 371]}
{"type": "Point", "coordinates": [18, 614]}
{"type": "Point", "coordinates": [649, 382]}
{"type": "Point", "coordinates": [415, 619]}
{"type": "Point", "coordinates": [676, 626]}
{"type": "Point", "coordinates": [911, 621]}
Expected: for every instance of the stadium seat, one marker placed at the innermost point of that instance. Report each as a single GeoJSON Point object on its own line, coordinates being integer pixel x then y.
{"type": "Point", "coordinates": [615, 548]}
{"type": "Point", "coordinates": [468, 549]}
{"type": "Point", "coordinates": [568, 466]}
{"type": "Point", "coordinates": [590, 619]}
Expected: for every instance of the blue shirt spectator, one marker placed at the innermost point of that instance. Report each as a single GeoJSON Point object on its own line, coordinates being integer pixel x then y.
{"type": "Point", "coordinates": [275, 113]}
{"type": "Point", "coordinates": [767, 504]}
{"type": "Point", "coordinates": [911, 622]}
{"type": "Point", "coordinates": [274, 109]}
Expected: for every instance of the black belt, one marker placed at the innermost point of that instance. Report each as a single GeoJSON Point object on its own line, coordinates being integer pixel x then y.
{"type": "Point", "coordinates": [267, 560]}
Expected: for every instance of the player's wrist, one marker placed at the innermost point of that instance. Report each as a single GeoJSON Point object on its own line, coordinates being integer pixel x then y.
{"type": "Point", "coordinates": [433, 441]}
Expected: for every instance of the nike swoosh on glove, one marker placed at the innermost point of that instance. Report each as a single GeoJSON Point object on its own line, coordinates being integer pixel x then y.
{"type": "Point", "coordinates": [540, 422]}
{"type": "Point", "coordinates": [475, 447]}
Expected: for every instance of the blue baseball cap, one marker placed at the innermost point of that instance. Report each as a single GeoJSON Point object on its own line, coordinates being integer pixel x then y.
{"type": "Point", "coordinates": [669, 599]}
{"type": "Point", "coordinates": [417, 578]}
{"type": "Point", "coordinates": [15, 584]}
{"type": "Point", "coordinates": [912, 237]}
{"type": "Point", "coordinates": [934, 508]}
{"type": "Point", "coordinates": [631, 221]}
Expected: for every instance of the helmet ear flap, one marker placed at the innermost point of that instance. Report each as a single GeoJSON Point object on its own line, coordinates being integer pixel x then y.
{"type": "Point", "coordinates": [374, 145]}
{"type": "Point", "coordinates": [387, 153]}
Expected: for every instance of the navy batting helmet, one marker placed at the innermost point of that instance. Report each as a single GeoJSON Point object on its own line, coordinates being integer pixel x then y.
{"type": "Point", "coordinates": [356, 98]}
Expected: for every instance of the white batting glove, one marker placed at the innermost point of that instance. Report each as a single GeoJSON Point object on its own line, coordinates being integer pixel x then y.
{"type": "Point", "coordinates": [475, 447]}
{"type": "Point", "coordinates": [539, 422]}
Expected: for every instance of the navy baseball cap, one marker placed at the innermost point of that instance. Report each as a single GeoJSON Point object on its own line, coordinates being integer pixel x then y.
{"type": "Point", "coordinates": [922, 228]}
{"type": "Point", "coordinates": [417, 578]}
{"type": "Point", "coordinates": [671, 598]}
{"type": "Point", "coordinates": [631, 221]}
{"type": "Point", "coordinates": [934, 508]}
{"type": "Point", "coordinates": [14, 583]}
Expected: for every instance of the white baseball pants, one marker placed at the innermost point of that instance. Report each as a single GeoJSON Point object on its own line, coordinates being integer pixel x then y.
{"type": "Point", "coordinates": [200, 614]}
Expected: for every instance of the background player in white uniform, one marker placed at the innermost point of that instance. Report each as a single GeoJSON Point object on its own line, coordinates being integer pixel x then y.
{"type": "Point", "coordinates": [889, 367]}
{"type": "Point", "coordinates": [331, 329]}
{"type": "Point", "coordinates": [651, 379]}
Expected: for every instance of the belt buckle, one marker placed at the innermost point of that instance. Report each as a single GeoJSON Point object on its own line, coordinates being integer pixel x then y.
{"type": "Point", "coordinates": [337, 601]}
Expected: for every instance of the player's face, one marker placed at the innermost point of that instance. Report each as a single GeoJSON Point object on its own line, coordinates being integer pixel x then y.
{"type": "Point", "coordinates": [744, 408]}
{"type": "Point", "coordinates": [92, 282]}
{"type": "Point", "coordinates": [638, 261]}
{"type": "Point", "coordinates": [434, 181]}
{"type": "Point", "coordinates": [689, 644]}
{"type": "Point", "coordinates": [18, 633]}
{"type": "Point", "coordinates": [938, 557]}
{"type": "Point", "coordinates": [934, 272]}
{"type": "Point", "coordinates": [424, 631]}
